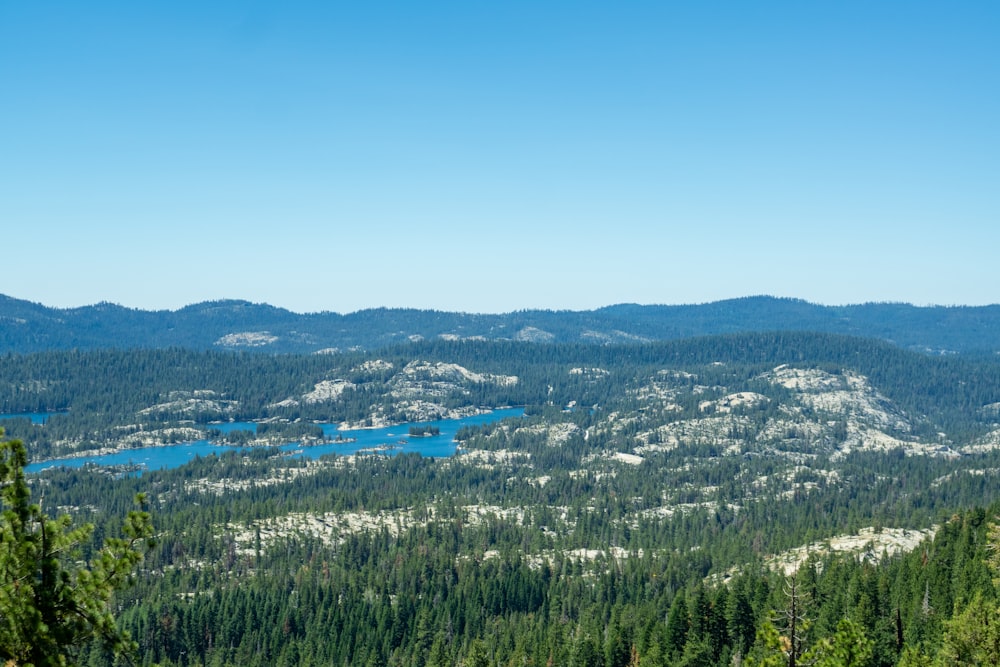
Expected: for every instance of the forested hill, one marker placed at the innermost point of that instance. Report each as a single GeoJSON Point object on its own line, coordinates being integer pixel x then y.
{"type": "Point", "coordinates": [30, 327]}
{"type": "Point", "coordinates": [656, 504]}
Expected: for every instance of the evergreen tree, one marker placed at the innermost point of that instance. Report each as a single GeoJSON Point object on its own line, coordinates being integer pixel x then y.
{"type": "Point", "coordinates": [848, 647]}
{"type": "Point", "coordinates": [677, 625]}
{"type": "Point", "coordinates": [51, 607]}
{"type": "Point", "coordinates": [973, 636]}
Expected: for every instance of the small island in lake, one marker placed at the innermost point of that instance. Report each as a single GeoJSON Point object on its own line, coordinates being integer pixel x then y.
{"type": "Point", "coordinates": [424, 431]}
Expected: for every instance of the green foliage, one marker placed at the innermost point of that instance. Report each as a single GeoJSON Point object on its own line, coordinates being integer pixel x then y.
{"type": "Point", "coordinates": [51, 606]}
{"type": "Point", "coordinates": [972, 637]}
{"type": "Point", "coordinates": [426, 595]}
{"type": "Point", "coordinates": [848, 647]}
{"type": "Point", "coordinates": [771, 648]}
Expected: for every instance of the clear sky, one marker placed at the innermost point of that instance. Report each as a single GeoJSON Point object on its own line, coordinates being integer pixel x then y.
{"type": "Point", "coordinates": [494, 156]}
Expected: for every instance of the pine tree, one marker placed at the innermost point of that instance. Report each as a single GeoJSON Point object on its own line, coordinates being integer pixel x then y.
{"type": "Point", "coordinates": [677, 625]}
{"type": "Point", "coordinates": [848, 647]}
{"type": "Point", "coordinates": [51, 606]}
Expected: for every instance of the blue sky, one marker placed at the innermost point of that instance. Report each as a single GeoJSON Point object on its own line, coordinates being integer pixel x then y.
{"type": "Point", "coordinates": [488, 157]}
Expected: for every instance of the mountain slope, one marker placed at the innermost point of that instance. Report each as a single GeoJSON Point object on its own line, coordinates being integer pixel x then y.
{"type": "Point", "coordinates": [232, 324]}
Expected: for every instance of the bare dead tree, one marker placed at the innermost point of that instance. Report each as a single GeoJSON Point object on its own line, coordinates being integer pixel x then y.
{"type": "Point", "coordinates": [792, 621]}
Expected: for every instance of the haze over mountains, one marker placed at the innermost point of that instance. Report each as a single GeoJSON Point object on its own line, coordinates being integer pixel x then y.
{"type": "Point", "coordinates": [237, 324]}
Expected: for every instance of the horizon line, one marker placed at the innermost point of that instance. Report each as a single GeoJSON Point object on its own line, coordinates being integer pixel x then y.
{"type": "Point", "coordinates": [748, 297]}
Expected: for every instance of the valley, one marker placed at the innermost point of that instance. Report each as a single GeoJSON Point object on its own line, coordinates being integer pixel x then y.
{"type": "Point", "coordinates": [635, 477]}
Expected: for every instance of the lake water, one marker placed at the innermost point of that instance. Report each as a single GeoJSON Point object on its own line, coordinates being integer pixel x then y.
{"type": "Point", "coordinates": [392, 440]}
{"type": "Point", "coordinates": [35, 417]}
{"type": "Point", "coordinates": [229, 427]}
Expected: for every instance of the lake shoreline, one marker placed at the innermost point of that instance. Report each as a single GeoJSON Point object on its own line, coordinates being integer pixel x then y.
{"type": "Point", "coordinates": [161, 455]}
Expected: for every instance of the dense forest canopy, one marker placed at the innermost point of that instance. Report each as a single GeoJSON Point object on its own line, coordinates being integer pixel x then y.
{"type": "Point", "coordinates": [103, 392]}
{"type": "Point", "coordinates": [650, 508]}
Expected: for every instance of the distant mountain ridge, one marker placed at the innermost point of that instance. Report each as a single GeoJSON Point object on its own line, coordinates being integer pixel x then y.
{"type": "Point", "coordinates": [235, 324]}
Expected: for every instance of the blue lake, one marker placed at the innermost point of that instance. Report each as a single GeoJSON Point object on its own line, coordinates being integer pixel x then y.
{"type": "Point", "coordinates": [229, 427]}
{"type": "Point", "coordinates": [35, 417]}
{"type": "Point", "coordinates": [392, 440]}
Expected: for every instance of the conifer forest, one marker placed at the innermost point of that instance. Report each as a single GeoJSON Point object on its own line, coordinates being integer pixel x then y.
{"type": "Point", "coordinates": [781, 498]}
